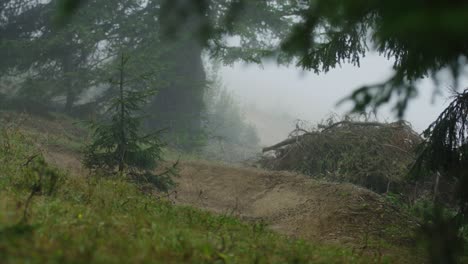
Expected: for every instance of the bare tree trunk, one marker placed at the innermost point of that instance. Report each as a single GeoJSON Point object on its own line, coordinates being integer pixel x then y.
{"type": "Point", "coordinates": [179, 103]}
{"type": "Point", "coordinates": [123, 140]}
{"type": "Point", "coordinates": [70, 96]}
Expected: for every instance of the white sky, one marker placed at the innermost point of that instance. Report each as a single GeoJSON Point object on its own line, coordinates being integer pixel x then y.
{"type": "Point", "coordinates": [312, 97]}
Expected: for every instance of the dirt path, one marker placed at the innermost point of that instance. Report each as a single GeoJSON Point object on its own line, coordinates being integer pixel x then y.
{"type": "Point", "coordinates": [64, 159]}
{"type": "Point", "coordinates": [289, 203]}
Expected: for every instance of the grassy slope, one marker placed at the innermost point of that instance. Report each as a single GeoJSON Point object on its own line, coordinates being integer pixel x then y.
{"type": "Point", "coordinates": [110, 220]}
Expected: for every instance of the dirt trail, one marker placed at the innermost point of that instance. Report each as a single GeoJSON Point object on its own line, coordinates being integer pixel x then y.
{"type": "Point", "coordinates": [53, 137]}
{"type": "Point", "coordinates": [65, 159]}
{"type": "Point", "coordinates": [289, 203]}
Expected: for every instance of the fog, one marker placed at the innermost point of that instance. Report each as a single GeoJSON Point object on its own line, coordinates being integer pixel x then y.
{"type": "Point", "coordinates": [288, 93]}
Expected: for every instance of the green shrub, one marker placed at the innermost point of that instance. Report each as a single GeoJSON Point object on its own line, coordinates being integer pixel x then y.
{"type": "Point", "coordinates": [118, 145]}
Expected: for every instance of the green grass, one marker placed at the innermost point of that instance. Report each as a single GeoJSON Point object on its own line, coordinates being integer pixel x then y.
{"type": "Point", "coordinates": [109, 220]}
{"type": "Point", "coordinates": [58, 131]}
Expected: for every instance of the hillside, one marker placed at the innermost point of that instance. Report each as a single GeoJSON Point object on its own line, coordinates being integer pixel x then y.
{"type": "Point", "coordinates": [349, 223]}
{"type": "Point", "coordinates": [292, 204]}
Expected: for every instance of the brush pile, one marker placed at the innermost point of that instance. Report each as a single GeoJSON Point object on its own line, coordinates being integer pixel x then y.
{"type": "Point", "coordinates": [370, 154]}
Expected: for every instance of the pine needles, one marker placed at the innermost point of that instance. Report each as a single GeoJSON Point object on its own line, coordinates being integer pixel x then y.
{"type": "Point", "coordinates": [117, 144]}
{"type": "Point", "coordinates": [446, 148]}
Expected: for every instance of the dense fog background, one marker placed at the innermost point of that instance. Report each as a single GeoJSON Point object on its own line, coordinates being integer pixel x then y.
{"type": "Point", "coordinates": [274, 96]}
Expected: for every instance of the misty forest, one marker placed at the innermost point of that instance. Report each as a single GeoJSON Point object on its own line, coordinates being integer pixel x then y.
{"type": "Point", "coordinates": [171, 131]}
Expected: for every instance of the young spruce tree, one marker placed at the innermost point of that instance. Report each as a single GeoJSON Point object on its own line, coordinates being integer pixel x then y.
{"type": "Point", "coordinates": [117, 144]}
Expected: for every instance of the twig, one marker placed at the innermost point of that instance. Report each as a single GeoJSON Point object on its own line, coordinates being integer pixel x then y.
{"type": "Point", "coordinates": [395, 147]}
{"type": "Point", "coordinates": [30, 159]}
{"type": "Point", "coordinates": [378, 124]}
{"type": "Point", "coordinates": [285, 142]}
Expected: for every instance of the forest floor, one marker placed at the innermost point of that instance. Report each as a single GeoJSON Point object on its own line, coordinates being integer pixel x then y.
{"type": "Point", "coordinates": [288, 203]}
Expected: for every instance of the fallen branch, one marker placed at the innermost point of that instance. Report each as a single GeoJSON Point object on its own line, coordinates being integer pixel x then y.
{"type": "Point", "coordinates": [325, 128]}
{"type": "Point", "coordinates": [350, 123]}
{"type": "Point", "coordinates": [284, 143]}
{"type": "Point", "coordinates": [395, 147]}
{"type": "Point", "coordinates": [29, 160]}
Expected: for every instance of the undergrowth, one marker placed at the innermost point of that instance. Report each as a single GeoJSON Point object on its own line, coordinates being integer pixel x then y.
{"type": "Point", "coordinates": [438, 232]}
{"type": "Point", "coordinates": [47, 216]}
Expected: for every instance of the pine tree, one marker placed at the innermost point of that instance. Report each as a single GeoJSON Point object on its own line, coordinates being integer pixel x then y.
{"type": "Point", "coordinates": [117, 145]}
{"type": "Point", "coordinates": [445, 149]}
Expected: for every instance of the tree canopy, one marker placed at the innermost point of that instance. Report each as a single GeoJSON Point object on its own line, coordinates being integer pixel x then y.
{"type": "Point", "coordinates": [424, 37]}
{"type": "Point", "coordinates": [54, 40]}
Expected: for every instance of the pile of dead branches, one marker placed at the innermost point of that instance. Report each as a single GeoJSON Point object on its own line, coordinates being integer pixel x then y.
{"type": "Point", "coordinates": [371, 154]}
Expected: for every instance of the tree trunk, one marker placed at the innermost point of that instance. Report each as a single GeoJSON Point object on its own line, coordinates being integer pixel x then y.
{"type": "Point", "coordinates": [122, 147]}
{"type": "Point", "coordinates": [179, 103]}
{"type": "Point", "coordinates": [70, 96]}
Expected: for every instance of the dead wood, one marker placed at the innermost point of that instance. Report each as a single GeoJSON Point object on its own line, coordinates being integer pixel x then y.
{"type": "Point", "coordinates": [296, 139]}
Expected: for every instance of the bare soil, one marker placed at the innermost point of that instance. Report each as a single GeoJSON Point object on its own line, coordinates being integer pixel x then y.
{"type": "Point", "coordinates": [288, 203]}
{"type": "Point", "coordinates": [292, 204]}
